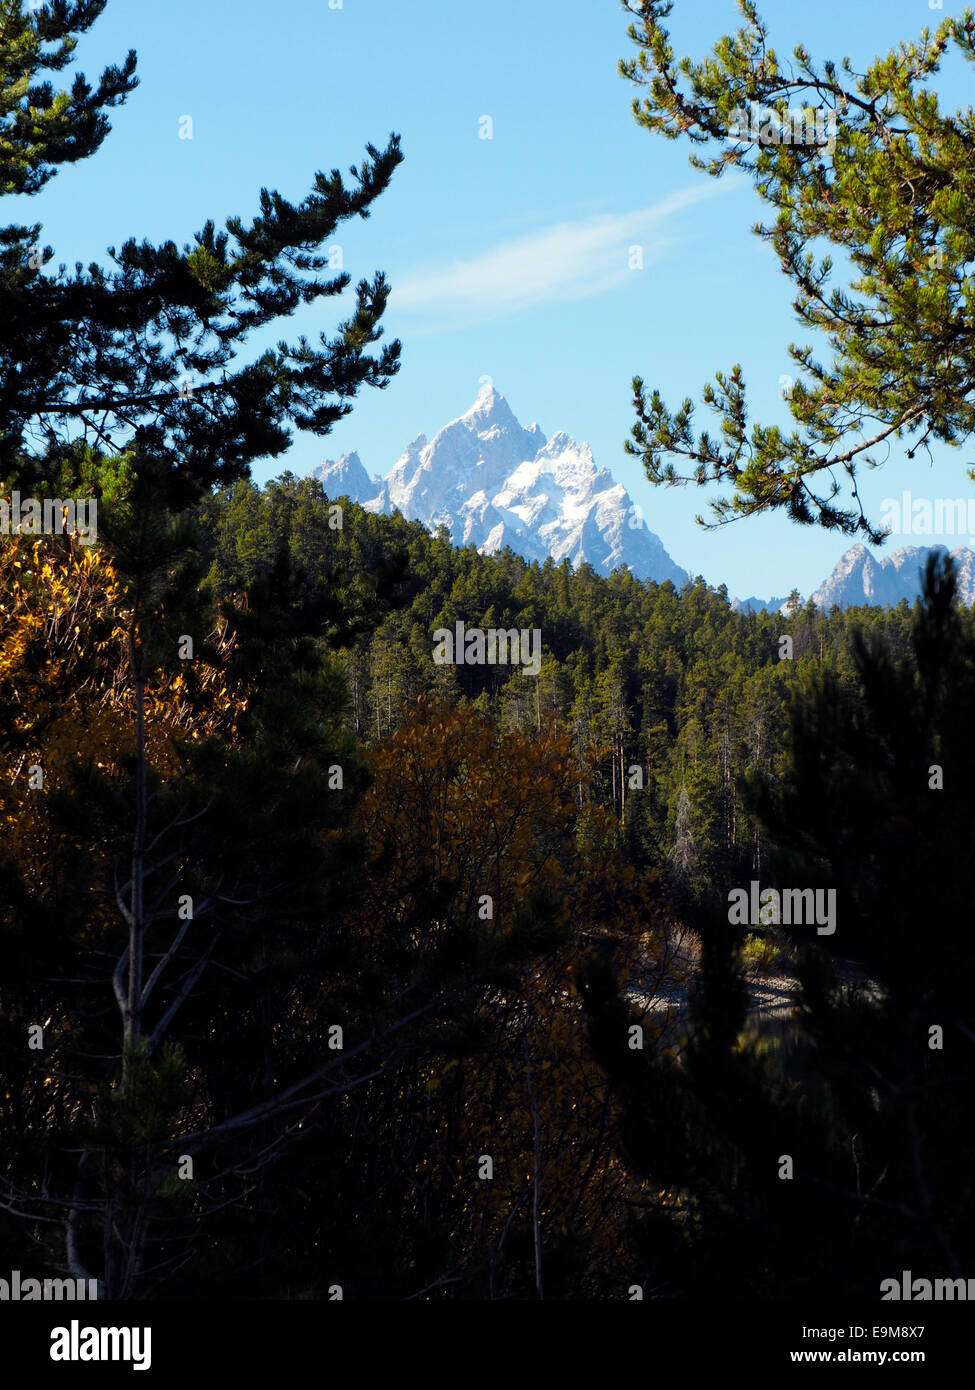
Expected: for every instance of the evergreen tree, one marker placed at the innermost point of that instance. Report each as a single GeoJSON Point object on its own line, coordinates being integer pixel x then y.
{"type": "Point", "coordinates": [128, 383]}
{"type": "Point", "coordinates": [145, 353]}
{"type": "Point", "coordinates": [886, 177]}
{"type": "Point", "coordinates": [836, 1162]}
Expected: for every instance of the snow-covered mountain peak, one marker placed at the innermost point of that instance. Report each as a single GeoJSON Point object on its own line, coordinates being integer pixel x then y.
{"type": "Point", "coordinates": [494, 483]}
{"type": "Point", "coordinates": [862, 577]}
{"type": "Point", "coordinates": [347, 470]}
{"type": "Point", "coordinates": [489, 416]}
{"type": "Point", "coordinates": [570, 464]}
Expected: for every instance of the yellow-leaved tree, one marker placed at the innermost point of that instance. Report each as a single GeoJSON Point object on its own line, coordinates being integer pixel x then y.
{"type": "Point", "coordinates": [488, 1156]}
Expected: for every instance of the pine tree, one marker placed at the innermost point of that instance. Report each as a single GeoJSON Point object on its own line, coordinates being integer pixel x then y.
{"type": "Point", "coordinates": [887, 178]}
{"type": "Point", "coordinates": [841, 1158]}
{"type": "Point", "coordinates": [128, 384]}
{"type": "Point", "coordinates": [144, 354]}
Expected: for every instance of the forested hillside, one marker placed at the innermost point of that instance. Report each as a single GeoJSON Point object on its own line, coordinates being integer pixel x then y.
{"type": "Point", "coordinates": [668, 698]}
{"type": "Point", "coordinates": [399, 1016]}
{"type": "Point", "coordinates": [668, 749]}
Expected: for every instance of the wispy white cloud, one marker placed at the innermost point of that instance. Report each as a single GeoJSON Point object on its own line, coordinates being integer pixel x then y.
{"type": "Point", "coordinates": [565, 261]}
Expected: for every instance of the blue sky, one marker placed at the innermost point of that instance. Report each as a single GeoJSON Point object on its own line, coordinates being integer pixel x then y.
{"type": "Point", "coordinates": [508, 256]}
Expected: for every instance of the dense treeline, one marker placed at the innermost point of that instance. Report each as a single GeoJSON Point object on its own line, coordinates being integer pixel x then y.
{"type": "Point", "coordinates": [729, 730]}
{"type": "Point", "coordinates": [459, 869]}
{"type": "Point", "coordinates": [675, 684]}
{"type": "Point", "coordinates": [430, 905]}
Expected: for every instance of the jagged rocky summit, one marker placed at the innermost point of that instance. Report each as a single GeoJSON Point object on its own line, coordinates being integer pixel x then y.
{"type": "Point", "coordinates": [493, 483]}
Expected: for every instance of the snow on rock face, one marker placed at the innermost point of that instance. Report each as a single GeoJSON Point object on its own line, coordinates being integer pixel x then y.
{"type": "Point", "coordinates": [347, 470]}
{"type": "Point", "coordinates": [860, 579]}
{"type": "Point", "coordinates": [346, 477]}
{"type": "Point", "coordinates": [493, 483]}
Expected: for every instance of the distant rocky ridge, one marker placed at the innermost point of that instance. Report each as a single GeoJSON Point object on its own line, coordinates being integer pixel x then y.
{"type": "Point", "coordinates": [757, 605]}
{"type": "Point", "coordinates": [862, 578]}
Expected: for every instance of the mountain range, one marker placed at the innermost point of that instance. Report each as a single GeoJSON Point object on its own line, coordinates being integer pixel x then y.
{"type": "Point", "coordinates": [859, 578]}
{"type": "Point", "coordinates": [494, 483]}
